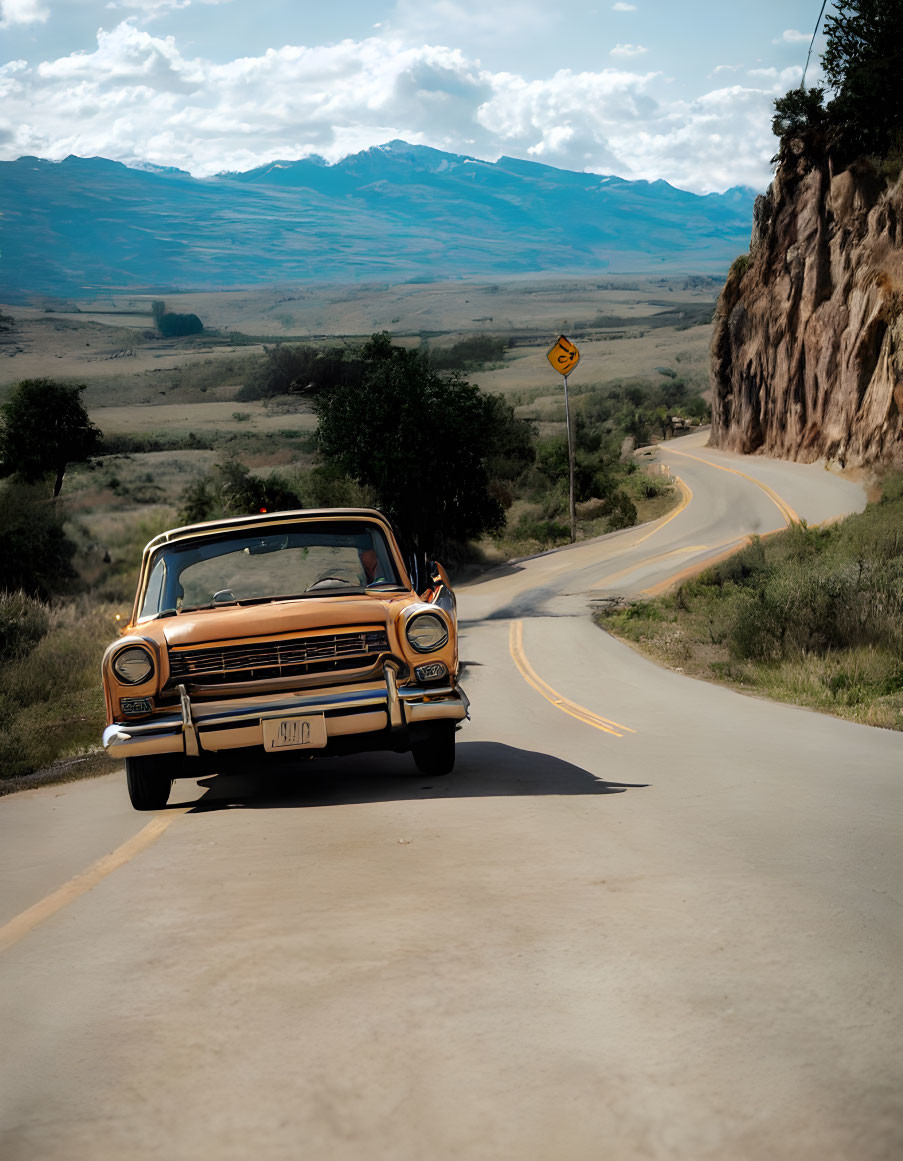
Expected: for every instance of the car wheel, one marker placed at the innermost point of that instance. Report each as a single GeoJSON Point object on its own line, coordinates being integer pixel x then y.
{"type": "Point", "coordinates": [149, 782]}
{"type": "Point", "coordinates": [435, 755]}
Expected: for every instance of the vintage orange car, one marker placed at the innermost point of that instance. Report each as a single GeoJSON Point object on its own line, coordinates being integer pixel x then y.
{"type": "Point", "coordinates": [286, 633]}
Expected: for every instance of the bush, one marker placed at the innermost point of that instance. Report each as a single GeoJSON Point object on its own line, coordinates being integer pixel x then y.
{"type": "Point", "coordinates": [35, 552]}
{"type": "Point", "coordinates": [812, 591]}
{"type": "Point", "coordinates": [231, 490]}
{"type": "Point", "coordinates": [296, 369]}
{"type": "Point", "coordinates": [51, 700]}
{"type": "Point", "coordinates": [326, 487]}
{"type": "Point", "coordinates": [132, 444]}
{"type": "Point", "coordinates": [469, 354]}
{"type": "Point", "coordinates": [174, 326]}
{"type": "Point", "coordinates": [541, 531]}
{"type": "Point", "coordinates": [620, 511]}
{"type": "Point", "coordinates": [23, 622]}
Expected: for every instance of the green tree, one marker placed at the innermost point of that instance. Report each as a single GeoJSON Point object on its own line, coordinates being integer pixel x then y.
{"type": "Point", "coordinates": [800, 115]}
{"type": "Point", "coordinates": [421, 441]}
{"type": "Point", "coordinates": [863, 62]}
{"type": "Point", "coordinates": [44, 427]}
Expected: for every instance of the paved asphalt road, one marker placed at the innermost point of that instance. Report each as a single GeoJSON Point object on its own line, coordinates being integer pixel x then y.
{"type": "Point", "coordinates": [645, 917]}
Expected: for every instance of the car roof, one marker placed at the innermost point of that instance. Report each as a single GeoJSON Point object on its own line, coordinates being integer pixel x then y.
{"type": "Point", "coordinates": [256, 518]}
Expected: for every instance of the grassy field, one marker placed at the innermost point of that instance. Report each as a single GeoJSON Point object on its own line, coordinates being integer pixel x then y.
{"type": "Point", "coordinates": [439, 308]}
{"type": "Point", "coordinates": [811, 616]}
{"type": "Point", "coordinates": [110, 345]}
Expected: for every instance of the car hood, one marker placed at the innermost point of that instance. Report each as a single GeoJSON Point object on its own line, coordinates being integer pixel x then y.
{"type": "Point", "coordinates": [241, 623]}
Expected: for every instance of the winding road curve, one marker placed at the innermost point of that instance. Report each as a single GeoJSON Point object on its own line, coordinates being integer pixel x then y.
{"type": "Point", "coordinates": [646, 917]}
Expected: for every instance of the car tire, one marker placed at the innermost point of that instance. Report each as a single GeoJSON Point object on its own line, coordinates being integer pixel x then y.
{"type": "Point", "coordinates": [435, 756]}
{"type": "Point", "coordinates": [149, 782]}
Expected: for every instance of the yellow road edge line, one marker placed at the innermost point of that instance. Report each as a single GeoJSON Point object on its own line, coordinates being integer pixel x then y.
{"type": "Point", "coordinates": [532, 678]}
{"type": "Point", "coordinates": [789, 515]}
{"type": "Point", "coordinates": [27, 920]}
{"type": "Point", "coordinates": [687, 496]}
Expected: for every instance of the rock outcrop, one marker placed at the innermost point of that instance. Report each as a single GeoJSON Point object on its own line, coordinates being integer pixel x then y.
{"type": "Point", "coordinates": [807, 354]}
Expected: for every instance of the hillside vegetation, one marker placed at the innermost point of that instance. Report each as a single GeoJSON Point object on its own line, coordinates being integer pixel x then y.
{"type": "Point", "coordinates": [813, 616]}
{"type": "Point", "coordinates": [68, 566]}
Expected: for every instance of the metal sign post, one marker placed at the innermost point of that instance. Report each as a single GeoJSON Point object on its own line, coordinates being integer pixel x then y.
{"type": "Point", "coordinates": [571, 505]}
{"type": "Point", "coordinates": [564, 356]}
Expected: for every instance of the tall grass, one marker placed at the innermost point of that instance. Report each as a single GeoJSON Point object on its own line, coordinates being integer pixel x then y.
{"type": "Point", "coordinates": [51, 702]}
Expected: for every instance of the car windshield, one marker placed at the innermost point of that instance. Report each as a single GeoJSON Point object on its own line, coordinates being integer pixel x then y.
{"type": "Point", "coordinates": [268, 563]}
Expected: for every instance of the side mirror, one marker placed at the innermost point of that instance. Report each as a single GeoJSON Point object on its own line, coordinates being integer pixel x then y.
{"type": "Point", "coordinates": [439, 591]}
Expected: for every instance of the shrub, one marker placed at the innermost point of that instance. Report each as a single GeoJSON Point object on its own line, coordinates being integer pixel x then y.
{"type": "Point", "coordinates": [173, 326]}
{"type": "Point", "coordinates": [231, 490]}
{"type": "Point", "coordinates": [35, 552]}
{"type": "Point", "coordinates": [23, 622]}
{"type": "Point", "coordinates": [542, 531]}
{"type": "Point", "coordinates": [51, 701]}
{"type": "Point", "coordinates": [469, 353]}
{"type": "Point", "coordinates": [297, 369]}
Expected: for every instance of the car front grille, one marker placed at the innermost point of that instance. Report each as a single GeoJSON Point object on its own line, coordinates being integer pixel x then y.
{"type": "Point", "coordinates": [266, 660]}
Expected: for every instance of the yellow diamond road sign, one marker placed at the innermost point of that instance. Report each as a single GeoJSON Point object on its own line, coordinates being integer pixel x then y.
{"type": "Point", "coordinates": [564, 356]}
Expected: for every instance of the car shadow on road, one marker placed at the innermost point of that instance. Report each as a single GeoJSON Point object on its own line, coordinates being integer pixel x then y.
{"type": "Point", "coordinates": [482, 770]}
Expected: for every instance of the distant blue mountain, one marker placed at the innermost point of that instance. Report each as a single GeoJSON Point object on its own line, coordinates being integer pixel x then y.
{"type": "Point", "coordinates": [394, 212]}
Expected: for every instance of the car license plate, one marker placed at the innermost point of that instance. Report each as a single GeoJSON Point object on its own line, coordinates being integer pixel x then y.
{"type": "Point", "coordinates": [307, 733]}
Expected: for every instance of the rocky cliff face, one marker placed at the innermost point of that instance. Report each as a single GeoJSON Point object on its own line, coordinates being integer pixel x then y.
{"type": "Point", "coordinates": [807, 354]}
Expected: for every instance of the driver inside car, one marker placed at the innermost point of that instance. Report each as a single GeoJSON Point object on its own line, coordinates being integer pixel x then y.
{"type": "Point", "coordinates": [370, 565]}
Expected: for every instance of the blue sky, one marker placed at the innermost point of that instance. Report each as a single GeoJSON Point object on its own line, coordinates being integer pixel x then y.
{"type": "Point", "coordinates": [642, 88]}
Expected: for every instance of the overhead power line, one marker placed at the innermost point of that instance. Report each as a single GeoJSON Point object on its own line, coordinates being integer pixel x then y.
{"type": "Point", "coordinates": [824, 4]}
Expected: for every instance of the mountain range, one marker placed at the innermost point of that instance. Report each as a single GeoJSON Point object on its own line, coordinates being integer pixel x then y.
{"type": "Point", "coordinates": [395, 212]}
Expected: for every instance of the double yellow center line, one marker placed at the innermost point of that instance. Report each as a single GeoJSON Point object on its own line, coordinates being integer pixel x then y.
{"type": "Point", "coordinates": [790, 517]}
{"type": "Point", "coordinates": [532, 678]}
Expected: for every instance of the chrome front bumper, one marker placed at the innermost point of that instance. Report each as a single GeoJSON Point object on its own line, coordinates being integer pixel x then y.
{"type": "Point", "coordinates": [211, 726]}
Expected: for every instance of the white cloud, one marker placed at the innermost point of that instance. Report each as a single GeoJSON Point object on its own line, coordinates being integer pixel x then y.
{"type": "Point", "coordinates": [622, 7]}
{"type": "Point", "coordinates": [792, 36]}
{"type": "Point", "coordinates": [628, 50]}
{"type": "Point", "coordinates": [725, 69]}
{"type": "Point", "coordinates": [22, 12]}
{"type": "Point", "coordinates": [469, 21]}
{"type": "Point", "coordinates": [138, 97]}
{"type": "Point", "coordinates": [782, 77]}
{"type": "Point", "coordinates": [150, 9]}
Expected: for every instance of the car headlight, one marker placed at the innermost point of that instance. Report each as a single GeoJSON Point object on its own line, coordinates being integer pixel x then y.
{"type": "Point", "coordinates": [133, 665]}
{"type": "Point", "coordinates": [427, 632]}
